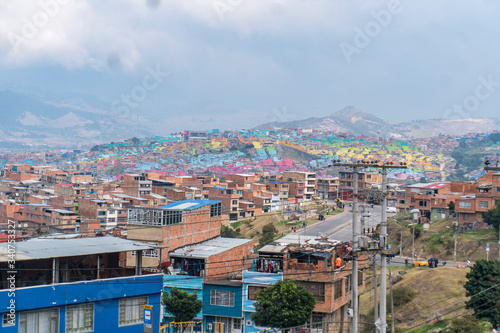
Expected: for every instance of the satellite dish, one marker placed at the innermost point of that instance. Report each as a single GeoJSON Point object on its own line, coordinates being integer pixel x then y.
{"type": "Point", "coordinates": [250, 249]}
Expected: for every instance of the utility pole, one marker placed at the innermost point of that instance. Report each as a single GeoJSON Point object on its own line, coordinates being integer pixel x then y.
{"type": "Point", "coordinates": [355, 243]}
{"type": "Point", "coordinates": [375, 287]}
{"type": "Point", "coordinates": [355, 247]}
{"type": "Point", "coordinates": [383, 257]}
{"type": "Point", "coordinates": [494, 168]}
{"type": "Point", "coordinates": [393, 327]}
{"type": "Point", "coordinates": [455, 228]}
{"type": "Point", "coordinates": [383, 245]}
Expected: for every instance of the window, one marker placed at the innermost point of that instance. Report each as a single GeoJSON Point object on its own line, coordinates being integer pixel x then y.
{"type": "Point", "coordinates": [9, 320]}
{"type": "Point", "coordinates": [464, 204]}
{"type": "Point", "coordinates": [236, 323]}
{"type": "Point", "coordinates": [483, 204]}
{"type": "Point", "coordinates": [80, 318]}
{"type": "Point", "coordinates": [465, 217]}
{"type": "Point", "coordinates": [252, 292]}
{"type": "Point", "coordinates": [131, 311]}
{"type": "Point", "coordinates": [441, 210]}
{"type": "Point", "coordinates": [221, 297]}
{"type": "Point", "coordinates": [39, 321]}
{"type": "Point", "coordinates": [348, 283]}
{"type": "Point", "coordinates": [422, 203]}
{"type": "Point", "coordinates": [316, 288]}
{"type": "Point", "coordinates": [215, 209]}
{"type": "Point", "coordinates": [337, 288]}
{"type": "Point", "coordinates": [172, 217]}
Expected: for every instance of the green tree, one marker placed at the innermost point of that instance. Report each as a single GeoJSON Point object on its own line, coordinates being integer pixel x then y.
{"type": "Point", "coordinates": [465, 324]}
{"type": "Point", "coordinates": [268, 234]}
{"type": "Point", "coordinates": [283, 304]}
{"type": "Point", "coordinates": [451, 207]}
{"type": "Point", "coordinates": [226, 231]}
{"type": "Point", "coordinates": [492, 217]}
{"type": "Point", "coordinates": [182, 305]}
{"type": "Point", "coordinates": [483, 288]}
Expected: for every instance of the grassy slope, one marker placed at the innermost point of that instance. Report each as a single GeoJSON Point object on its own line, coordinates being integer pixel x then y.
{"type": "Point", "coordinates": [438, 242]}
{"type": "Point", "coordinates": [438, 291]}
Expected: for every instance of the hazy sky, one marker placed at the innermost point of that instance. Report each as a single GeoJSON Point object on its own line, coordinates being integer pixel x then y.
{"type": "Point", "coordinates": [246, 62]}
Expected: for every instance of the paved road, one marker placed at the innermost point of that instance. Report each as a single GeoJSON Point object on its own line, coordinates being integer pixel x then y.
{"type": "Point", "coordinates": [335, 227]}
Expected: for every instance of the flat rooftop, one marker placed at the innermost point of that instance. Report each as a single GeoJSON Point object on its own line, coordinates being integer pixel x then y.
{"type": "Point", "coordinates": [36, 249]}
{"type": "Point", "coordinates": [208, 248]}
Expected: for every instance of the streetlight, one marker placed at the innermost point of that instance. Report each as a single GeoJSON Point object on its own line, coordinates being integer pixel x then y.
{"type": "Point", "coordinates": [415, 213]}
{"type": "Point", "coordinates": [455, 228]}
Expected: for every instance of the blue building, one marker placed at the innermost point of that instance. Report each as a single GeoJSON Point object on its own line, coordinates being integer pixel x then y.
{"type": "Point", "coordinates": [191, 284]}
{"type": "Point", "coordinates": [75, 285]}
{"type": "Point", "coordinates": [252, 283]}
{"type": "Point", "coordinates": [222, 303]}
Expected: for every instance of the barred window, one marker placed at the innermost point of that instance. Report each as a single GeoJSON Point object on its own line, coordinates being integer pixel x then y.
{"type": "Point", "coordinates": [316, 288]}
{"type": "Point", "coordinates": [80, 318]}
{"type": "Point", "coordinates": [215, 209]}
{"type": "Point", "coordinates": [464, 204]}
{"type": "Point", "coordinates": [39, 321]}
{"type": "Point", "coordinates": [131, 311]}
{"type": "Point", "coordinates": [483, 204]}
{"type": "Point", "coordinates": [337, 288]}
{"type": "Point", "coordinates": [172, 217]}
{"type": "Point", "coordinates": [221, 297]}
{"type": "Point", "coordinates": [252, 292]}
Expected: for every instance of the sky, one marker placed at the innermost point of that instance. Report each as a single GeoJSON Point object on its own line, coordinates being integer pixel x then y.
{"type": "Point", "coordinates": [204, 64]}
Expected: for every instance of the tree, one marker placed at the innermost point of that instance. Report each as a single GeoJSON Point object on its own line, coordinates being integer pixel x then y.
{"type": "Point", "coordinates": [492, 217]}
{"type": "Point", "coordinates": [268, 234]}
{"type": "Point", "coordinates": [465, 324]}
{"type": "Point", "coordinates": [483, 288]}
{"type": "Point", "coordinates": [451, 207]}
{"type": "Point", "coordinates": [183, 305]}
{"type": "Point", "coordinates": [283, 304]}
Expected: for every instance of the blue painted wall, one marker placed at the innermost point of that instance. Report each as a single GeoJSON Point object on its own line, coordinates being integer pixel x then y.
{"type": "Point", "coordinates": [255, 279]}
{"type": "Point", "coordinates": [190, 284]}
{"type": "Point", "coordinates": [105, 294]}
{"type": "Point", "coordinates": [223, 311]}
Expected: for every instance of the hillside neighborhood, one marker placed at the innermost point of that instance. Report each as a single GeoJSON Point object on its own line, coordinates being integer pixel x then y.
{"type": "Point", "coordinates": [89, 247]}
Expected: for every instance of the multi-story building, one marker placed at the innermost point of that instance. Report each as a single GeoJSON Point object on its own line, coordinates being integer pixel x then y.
{"type": "Point", "coordinates": [328, 188]}
{"type": "Point", "coordinates": [136, 185]}
{"type": "Point", "coordinates": [76, 285]}
{"type": "Point", "coordinates": [173, 226]}
{"type": "Point", "coordinates": [308, 179]}
{"type": "Point", "coordinates": [367, 181]}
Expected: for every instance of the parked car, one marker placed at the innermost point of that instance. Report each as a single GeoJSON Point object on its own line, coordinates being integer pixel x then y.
{"type": "Point", "coordinates": [420, 262]}
{"type": "Point", "coordinates": [391, 210]}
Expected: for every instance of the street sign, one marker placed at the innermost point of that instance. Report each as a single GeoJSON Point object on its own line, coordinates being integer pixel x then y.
{"type": "Point", "coordinates": [487, 247]}
{"type": "Point", "coordinates": [148, 318]}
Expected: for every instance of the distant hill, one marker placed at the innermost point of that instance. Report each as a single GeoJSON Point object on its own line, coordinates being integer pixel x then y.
{"type": "Point", "coordinates": [353, 121]}
{"type": "Point", "coordinates": [61, 120]}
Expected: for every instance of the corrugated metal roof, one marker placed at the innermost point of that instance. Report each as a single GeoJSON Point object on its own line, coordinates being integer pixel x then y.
{"type": "Point", "coordinates": [35, 249]}
{"type": "Point", "coordinates": [209, 248]}
{"type": "Point", "coordinates": [188, 204]}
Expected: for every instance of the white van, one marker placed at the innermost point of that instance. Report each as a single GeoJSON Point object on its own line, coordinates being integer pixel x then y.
{"type": "Point", "coordinates": [391, 210]}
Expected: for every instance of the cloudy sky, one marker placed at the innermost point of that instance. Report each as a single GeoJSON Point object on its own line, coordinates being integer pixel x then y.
{"type": "Point", "coordinates": [203, 63]}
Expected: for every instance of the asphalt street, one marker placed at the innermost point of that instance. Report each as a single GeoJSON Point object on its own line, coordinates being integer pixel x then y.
{"type": "Point", "coordinates": [337, 227]}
